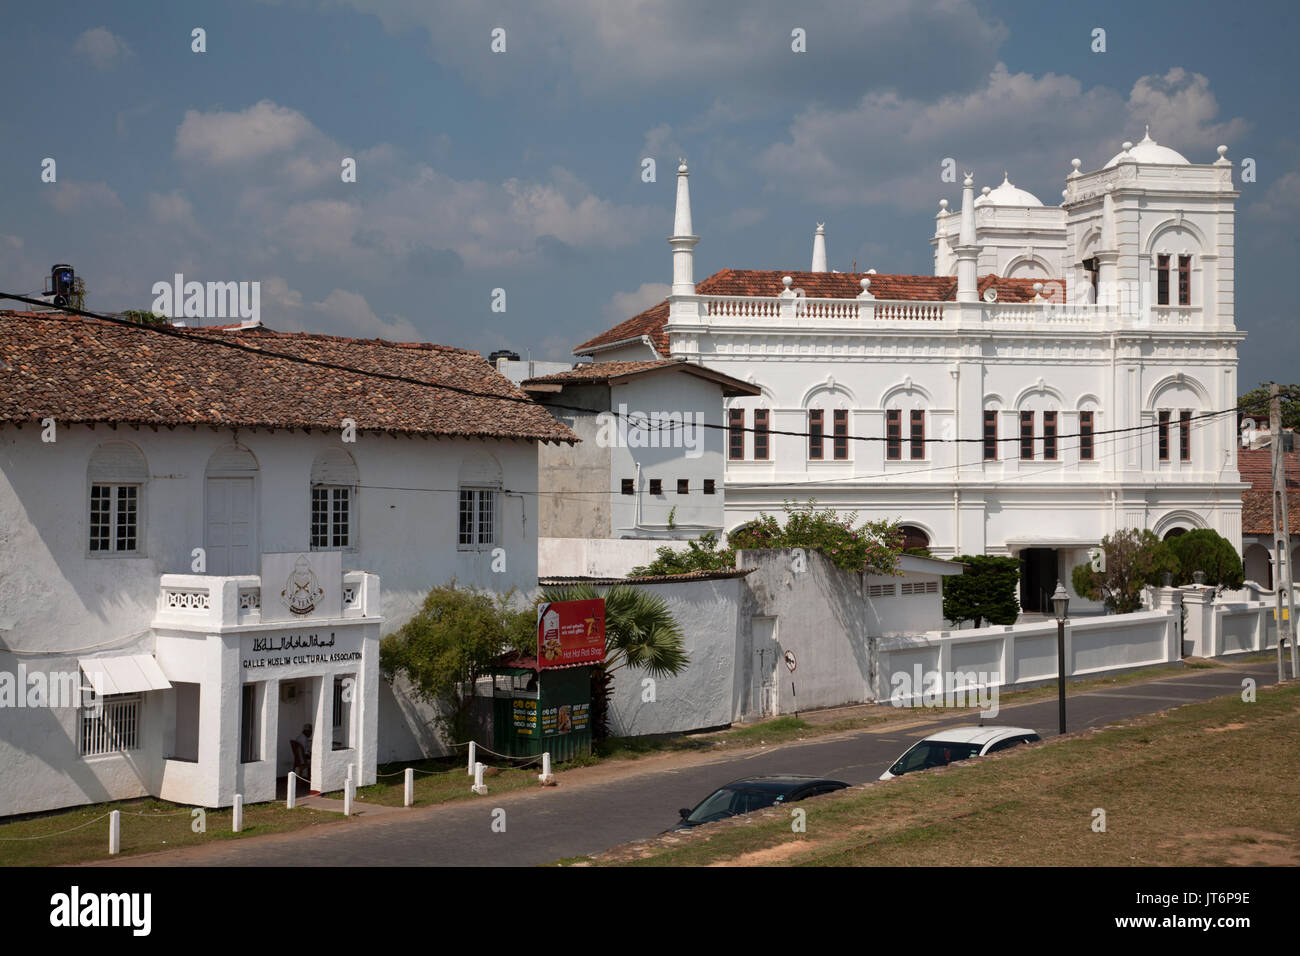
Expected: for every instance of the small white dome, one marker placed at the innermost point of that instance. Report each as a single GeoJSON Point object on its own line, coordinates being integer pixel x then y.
{"type": "Point", "coordinates": [1009, 195]}
{"type": "Point", "coordinates": [1149, 151]}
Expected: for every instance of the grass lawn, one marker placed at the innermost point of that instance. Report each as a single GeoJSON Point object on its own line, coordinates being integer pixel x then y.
{"type": "Point", "coordinates": [1210, 783]}
{"type": "Point", "coordinates": [438, 781]}
{"type": "Point", "coordinates": [148, 825]}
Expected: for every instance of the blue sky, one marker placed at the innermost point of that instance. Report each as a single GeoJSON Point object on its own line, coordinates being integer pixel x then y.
{"type": "Point", "coordinates": [521, 170]}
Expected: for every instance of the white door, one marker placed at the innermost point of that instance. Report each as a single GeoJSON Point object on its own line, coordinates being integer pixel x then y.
{"type": "Point", "coordinates": [764, 632]}
{"type": "Point", "coordinates": [230, 536]}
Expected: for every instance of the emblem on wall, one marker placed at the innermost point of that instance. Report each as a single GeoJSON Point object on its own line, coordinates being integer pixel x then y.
{"type": "Point", "coordinates": [302, 590]}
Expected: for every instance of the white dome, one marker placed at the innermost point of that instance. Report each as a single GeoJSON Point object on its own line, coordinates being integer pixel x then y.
{"type": "Point", "coordinates": [1149, 151]}
{"type": "Point", "coordinates": [1009, 195]}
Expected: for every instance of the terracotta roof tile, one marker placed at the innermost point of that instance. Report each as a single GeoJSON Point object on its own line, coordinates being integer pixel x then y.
{"type": "Point", "coordinates": [819, 285]}
{"type": "Point", "coordinates": [1256, 467]}
{"type": "Point", "coordinates": [87, 370]}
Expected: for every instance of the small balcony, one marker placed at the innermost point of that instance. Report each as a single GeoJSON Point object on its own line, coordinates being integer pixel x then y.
{"type": "Point", "coordinates": [190, 600]}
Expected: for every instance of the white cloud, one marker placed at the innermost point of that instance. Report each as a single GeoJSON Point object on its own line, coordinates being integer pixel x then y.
{"type": "Point", "coordinates": [223, 138]}
{"type": "Point", "coordinates": [889, 149]}
{"type": "Point", "coordinates": [1182, 111]}
{"type": "Point", "coordinates": [172, 209]}
{"type": "Point", "coordinates": [80, 197]}
{"type": "Point", "coordinates": [624, 305]}
{"type": "Point", "coordinates": [340, 313]}
{"type": "Point", "coordinates": [101, 47]}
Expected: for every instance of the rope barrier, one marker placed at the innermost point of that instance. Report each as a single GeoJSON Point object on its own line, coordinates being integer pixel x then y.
{"type": "Point", "coordinates": [61, 832]}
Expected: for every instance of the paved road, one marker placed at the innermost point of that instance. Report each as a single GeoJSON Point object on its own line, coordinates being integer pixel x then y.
{"type": "Point", "coordinates": [544, 825]}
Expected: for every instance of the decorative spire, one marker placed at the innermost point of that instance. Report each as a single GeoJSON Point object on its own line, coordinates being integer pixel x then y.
{"type": "Point", "coordinates": [966, 237]}
{"type": "Point", "coordinates": [683, 239]}
{"type": "Point", "coordinates": [819, 249]}
{"type": "Point", "coordinates": [967, 250]}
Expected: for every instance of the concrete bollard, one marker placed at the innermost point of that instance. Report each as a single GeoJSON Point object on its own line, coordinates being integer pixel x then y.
{"type": "Point", "coordinates": [115, 833]}
{"type": "Point", "coordinates": [347, 797]}
{"type": "Point", "coordinates": [479, 786]}
{"type": "Point", "coordinates": [293, 791]}
{"type": "Point", "coordinates": [238, 816]}
{"type": "Point", "coordinates": [409, 797]}
{"type": "Point", "coordinates": [546, 776]}
{"type": "Point", "coordinates": [473, 756]}
{"type": "Point", "coordinates": [349, 771]}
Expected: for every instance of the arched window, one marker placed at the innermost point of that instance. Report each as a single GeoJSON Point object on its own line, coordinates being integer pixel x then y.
{"type": "Point", "coordinates": [914, 539]}
{"type": "Point", "coordinates": [117, 475]}
{"type": "Point", "coordinates": [1174, 533]}
{"type": "Point", "coordinates": [479, 506]}
{"type": "Point", "coordinates": [334, 485]}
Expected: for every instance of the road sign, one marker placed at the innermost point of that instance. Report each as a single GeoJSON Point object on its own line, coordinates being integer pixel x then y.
{"type": "Point", "coordinates": [790, 662]}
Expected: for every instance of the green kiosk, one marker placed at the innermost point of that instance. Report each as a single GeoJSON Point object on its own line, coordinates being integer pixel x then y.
{"type": "Point", "coordinates": [543, 705]}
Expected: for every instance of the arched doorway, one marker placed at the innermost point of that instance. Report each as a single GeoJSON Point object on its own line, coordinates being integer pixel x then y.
{"type": "Point", "coordinates": [1257, 565]}
{"type": "Point", "coordinates": [1174, 533]}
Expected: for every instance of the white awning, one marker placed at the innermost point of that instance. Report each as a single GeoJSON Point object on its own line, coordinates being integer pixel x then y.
{"type": "Point", "coordinates": [128, 674]}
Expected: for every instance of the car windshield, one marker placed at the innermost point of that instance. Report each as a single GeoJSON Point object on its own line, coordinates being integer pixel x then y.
{"type": "Point", "coordinates": [933, 753]}
{"type": "Point", "coordinates": [728, 801]}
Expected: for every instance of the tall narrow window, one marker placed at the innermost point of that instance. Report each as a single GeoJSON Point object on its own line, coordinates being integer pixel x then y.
{"type": "Point", "coordinates": [760, 434]}
{"type": "Point", "coordinates": [893, 434]}
{"type": "Point", "coordinates": [841, 439]}
{"type": "Point", "coordinates": [331, 518]}
{"type": "Point", "coordinates": [1049, 436]}
{"type": "Point", "coordinates": [816, 434]}
{"type": "Point", "coordinates": [1184, 280]}
{"type": "Point", "coordinates": [1162, 280]}
{"type": "Point", "coordinates": [917, 436]}
{"type": "Point", "coordinates": [117, 474]}
{"type": "Point", "coordinates": [1184, 436]}
{"type": "Point", "coordinates": [990, 435]}
{"type": "Point", "coordinates": [736, 434]}
{"type": "Point", "coordinates": [1085, 436]}
{"type": "Point", "coordinates": [1164, 436]}
{"type": "Point", "coordinates": [477, 526]}
{"type": "Point", "coordinates": [250, 725]}
{"type": "Point", "coordinates": [1027, 436]}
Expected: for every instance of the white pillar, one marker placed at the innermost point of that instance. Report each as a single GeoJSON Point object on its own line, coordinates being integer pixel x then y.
{"type": "Point", "coordinates": [473, 756]}
{"type": "Point", "coordinates": [237, 818]}
{"type": "Point", "coordinates": [546, 776]}
{"type": "Point", "coordinates": [408, 797]}
{"type": "Point", "coordinates": [819, 249]}
{"type": "Point", "coordinates": [292, 786]}
{"type": "Point", "coordinates": [347, 797]}
{"type": "Point", "coordinates": [115, 833]}
{"type": "Point", "coordinates": [683, 239]}
{"type": "Point", "coordinates": [967, 249]}
{"type": "Point", "coordinates": [479, 786]}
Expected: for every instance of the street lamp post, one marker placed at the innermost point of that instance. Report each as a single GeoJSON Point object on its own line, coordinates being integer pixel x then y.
{"type": "Point", "coordinates": [1061, 605]}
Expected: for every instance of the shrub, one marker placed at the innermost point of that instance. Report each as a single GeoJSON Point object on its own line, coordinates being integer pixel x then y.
{"type": "Point", "coordinates": [986, 591]}
{"type": "Point", "coordinates": [1206, 550]}
{"type": "Point", "coordinates": [873, 546]}
{"type": "Point", "coordinates": [1134, 559]}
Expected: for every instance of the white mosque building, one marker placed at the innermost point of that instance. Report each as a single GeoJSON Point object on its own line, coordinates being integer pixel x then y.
{"type": "Point", "coordinates": [1060, 376]}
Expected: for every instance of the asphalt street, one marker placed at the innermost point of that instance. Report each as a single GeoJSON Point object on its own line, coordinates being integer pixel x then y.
{"type": "Point", "coordinates": [547, 824]}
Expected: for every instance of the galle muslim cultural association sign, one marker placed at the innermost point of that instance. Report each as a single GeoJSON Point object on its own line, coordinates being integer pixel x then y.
{"type": "Point", "coordinates": [570, 633]}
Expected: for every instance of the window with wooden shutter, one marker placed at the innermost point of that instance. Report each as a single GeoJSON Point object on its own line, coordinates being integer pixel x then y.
{"type": "Point", "coordinates": [841, 440]}
{"type": "Point", "coordinates": [760, 434]}
{"type": "Point", "coordinates": [1085, 436]}
{"type": "Point", "coordinates": [736, 434]}
{"type": "Point", "coordinates": [990, 435]}
{"type": "Point", "coordinates": [816, 434]}
{"type": "Point", "coordinates": [1027, 436]}
{"type": "Point", "coordinates": [1049, 436]}
{"type": "Point", "coordinates": [893, 434]}
{"type": "Point", "coordinates": [917, 436]}
{"type": "Point", "coordinates": [1163, 433]}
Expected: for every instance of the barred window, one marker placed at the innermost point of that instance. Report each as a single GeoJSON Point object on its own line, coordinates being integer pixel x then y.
{"type": "Point", "coordinates": [113, 728]}
{"type": "Point", "coordinates": [1085, 436]}
{"type": "Point", "coordinates": [841, 438]}
{"type": "Point", "coordinates": [760, 434]}
{"type": "Point", "coordinates": [918, 434]}
{"type": "Point", "coordinates": [1185, 436]}
{"type": "Point", "coordinates": [1163, 432]}
{"type": "Point", "coordinates": [331, 518]}
{"type": "Point", "coordinates": [477, 526]}
{"type": "Point", "coordinates": [114, 518]}
{"type": "Point", "coordinates": [1049, 436]}
{"type": "Point", "coordinates": [736, 434]}
{"type": "Point", "coordinates": [1184, 280]}
{"type": "Point", "coordinates": [1162, 280]}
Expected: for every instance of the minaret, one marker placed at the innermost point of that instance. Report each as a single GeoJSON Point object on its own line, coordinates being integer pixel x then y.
{"type": "Point", "coordinates": [967, 250]}
{"type": "Point", "coordinates": [819, 249]}
{"type": "Point", "coordinates": [683, 240]}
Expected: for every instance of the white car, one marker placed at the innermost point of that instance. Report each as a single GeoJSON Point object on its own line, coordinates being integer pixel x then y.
{"type": "Point", "coordinates": [958, 743]}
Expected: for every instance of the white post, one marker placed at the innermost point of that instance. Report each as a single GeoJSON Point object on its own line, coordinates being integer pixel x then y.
{"type": "Point", "coordinates": [238, 819]}
{"type": "Point", "coordinates": [115, 833]}
{"type": "Point", "coordinates": [546, 775]}
{"type": "Point", "coordinates": [347, 797]}
{"type": "Point", "coordinates": [349, 771]}
{"type": "Point", "coordinates": [479, 786]}
{"type": "Point", "coordinates": [293, 791]}
{"type": "Point", "coordinates": [409, 798]}
{"type": "Point", "coordinates": [473, 756]}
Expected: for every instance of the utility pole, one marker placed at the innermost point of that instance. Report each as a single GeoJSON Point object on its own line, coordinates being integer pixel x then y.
{"type": "Point", "coordinates": [1281, 533]}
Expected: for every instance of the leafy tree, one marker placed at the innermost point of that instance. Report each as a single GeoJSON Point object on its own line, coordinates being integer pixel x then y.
{"type": "Point", "coordinates": [1206, 550]}
{"type": "Point", "coordinates": [701, 554]}
{"type": "Point", "coordinates": [986, 591]}
{"type": "Point", "coordinates": [872, 547]}
{"type": "Point", "coordinates": [1255, 404]}
{"type": "Point", "coordinates": [639, 631]}
{"type": "Point", "coordinates": [140, 317]}
{"type": "Point", "coordinates": [446, 647]}
{"type": "Point", "coordinates": [1134, 559]}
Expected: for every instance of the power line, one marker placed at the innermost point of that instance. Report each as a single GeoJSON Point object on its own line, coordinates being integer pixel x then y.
{"type": "Point", "coordinates": [191, 336]}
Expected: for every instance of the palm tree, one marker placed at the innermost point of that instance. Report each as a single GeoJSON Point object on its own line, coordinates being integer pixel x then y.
{"type": "Point", "coordinates": [639, 631]}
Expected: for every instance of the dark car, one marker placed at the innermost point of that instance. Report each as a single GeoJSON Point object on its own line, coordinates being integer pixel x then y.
{"type": "Point", "coordinates": [754, 793]}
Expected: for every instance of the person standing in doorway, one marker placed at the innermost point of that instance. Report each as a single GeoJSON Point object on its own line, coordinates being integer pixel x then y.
{"type": "Point", "coordinates": [302, 752]}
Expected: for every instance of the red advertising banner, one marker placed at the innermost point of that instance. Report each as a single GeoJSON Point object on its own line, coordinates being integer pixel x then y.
{"type": "Point", "coordinates": [570, 633]}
